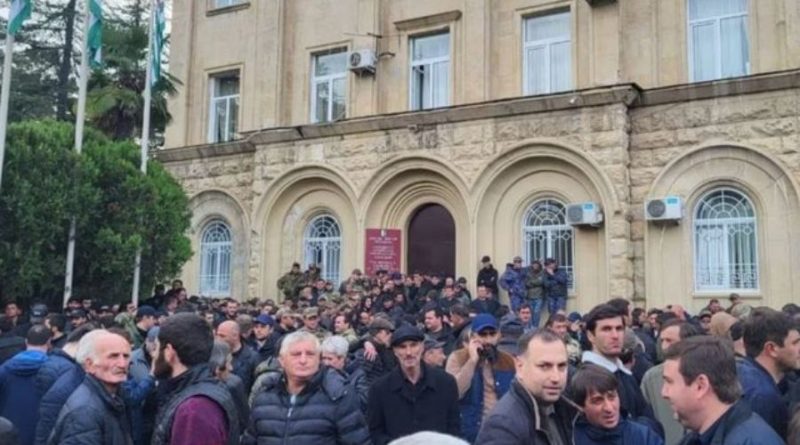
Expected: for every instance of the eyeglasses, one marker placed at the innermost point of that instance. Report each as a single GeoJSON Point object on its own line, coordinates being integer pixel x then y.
{"type": "Point", "coordinates": [487, 333]}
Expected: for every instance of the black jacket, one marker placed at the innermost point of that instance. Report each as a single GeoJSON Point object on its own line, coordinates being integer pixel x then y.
{"type": "Point", "coordinates": [488, 278]}
{"type": "Point", "coordinates": [92, 416]}
{"type": "Point", "coordinates": [396, 408]}
{"type": "Point", "coordinates": [738, 426]}
{"type": "Point", "coordinates": [327, 411]}
{"type": "Point", "coordinates": [245, 361]}
{"type": "Point", "coordinates": [516, 420]}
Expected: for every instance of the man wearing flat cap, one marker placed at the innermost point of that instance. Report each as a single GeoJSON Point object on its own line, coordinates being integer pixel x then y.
{"type": "Point", "coordinates": [414, 396]}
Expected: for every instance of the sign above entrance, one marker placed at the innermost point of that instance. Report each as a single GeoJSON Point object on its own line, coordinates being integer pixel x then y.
{"type": "Point", "coordinates": [383, 250]}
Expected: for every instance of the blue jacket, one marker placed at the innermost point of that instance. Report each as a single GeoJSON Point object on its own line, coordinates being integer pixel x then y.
{"type": "Point", "coordinates": [513, 281]}
{"type": "Point", "coordinates": [471, 403]}
{"type": "Point", "coordinates": [57, 364]}
{"type": "Point", "coordinates": [762, 394]}
{"type": "Point", "coordinates": [627, 432]}
{"type": "Point", "coordinates": [738, 426]}
{"type": "Point", "coordinates": [19, 396]}
{"type": "Point", "coordinates": [54, 399]}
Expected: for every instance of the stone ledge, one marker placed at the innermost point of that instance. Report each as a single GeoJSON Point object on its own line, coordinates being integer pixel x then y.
{"type": "Point", "coordinates": [226, 9]}
{"type": "Point", "coordinates": [415, 120]}
{"type": "Point", "coordinates": [759, 83]}
{"type": "Point", "coordinates": [205, 151]}
{"type": "Point", "coordinates": [428, 21]}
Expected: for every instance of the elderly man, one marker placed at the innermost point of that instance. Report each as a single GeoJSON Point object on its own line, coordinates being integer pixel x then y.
{"type": "Point", "coordinates": [305, 404]}
{"type": "Point", "coordinates": [413, 397]}
{"type": "Point", "coordinates": [94, 413]}
{"type": "Point", "coordinates": [334, 355]}
{"type": "Point", "coordinates": [245, 359]}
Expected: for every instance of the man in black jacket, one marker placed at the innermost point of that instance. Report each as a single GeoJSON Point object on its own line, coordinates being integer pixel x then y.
{"type": "Point", "coordinates": [487, 276]}
{"type": "Point", "coordinates": [533, 411]}
{"type": "Point", "coordinates": [413, 397]}
{"type": "Point", "coordinates": [95, 414]}
{"type": "Point", "coordinates": [245, 359]}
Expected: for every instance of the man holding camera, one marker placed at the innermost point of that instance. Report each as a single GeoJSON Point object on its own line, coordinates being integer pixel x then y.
{"type": "Point", "coordinates": [483, 373]}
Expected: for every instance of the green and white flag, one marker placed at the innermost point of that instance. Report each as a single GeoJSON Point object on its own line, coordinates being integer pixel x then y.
{"type": "Point", "coordinates": [20, 11]}
{"type": "Point", "coordinates": [159, 24]}
{"type": "Point", "coordinates": [95, 40]}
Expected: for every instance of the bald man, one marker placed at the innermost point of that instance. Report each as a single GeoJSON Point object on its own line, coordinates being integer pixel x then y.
{"type": "Point", "coordinates": [245, 359]}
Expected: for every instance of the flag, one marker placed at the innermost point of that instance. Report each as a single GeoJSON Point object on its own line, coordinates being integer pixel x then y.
{"type": "Point", "coordinates": [95, 31]}
{"type": "Point", "coordinates": [20, 11]}
{"type": "Point", "coordinates": [159, 24]}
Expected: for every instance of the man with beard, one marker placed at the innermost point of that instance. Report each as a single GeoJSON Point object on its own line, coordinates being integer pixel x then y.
{"type": "Point", "coordinates": [195, 408]}
{"type": "Point", "coordinates": [533, 410]}
{"type": "Point", "coordinates": [701, 385]}
{"type": "Point", "coordinates": [306, 404]}
{"type": "Point", "coordinates": [413, 397]}
{"type": "Point", "coordinates": [483, 374]}
{"type": "Point", "coordinates": [95, 414]}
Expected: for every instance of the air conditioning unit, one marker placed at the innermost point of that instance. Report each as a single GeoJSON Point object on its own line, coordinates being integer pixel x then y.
{"type": "Point", "coordinates": [362, 61]}
{"type": "Point", "coordinates": [668, 208]}
{"type": "Point", "coordinates": [584, 214]}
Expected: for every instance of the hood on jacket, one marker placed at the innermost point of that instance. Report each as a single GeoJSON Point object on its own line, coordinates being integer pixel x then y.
{"type": "Point", "coordinates": [26, 363]}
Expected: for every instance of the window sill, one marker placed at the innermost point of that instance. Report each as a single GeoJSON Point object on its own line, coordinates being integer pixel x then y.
{"type": "Point", "coordinates": [227, 9]}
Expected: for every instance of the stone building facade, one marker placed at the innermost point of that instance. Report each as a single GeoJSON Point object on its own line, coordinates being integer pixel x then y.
{"type": "Point", "coordinates": [629, 126]}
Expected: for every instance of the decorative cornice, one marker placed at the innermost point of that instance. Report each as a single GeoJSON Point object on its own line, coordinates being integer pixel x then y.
{"type": "Point", "coordinates": [205, 151]}
{"type": "Point", "coordinates": [428, 21]}
{"type": "Point", "coordinates": [226, 9]}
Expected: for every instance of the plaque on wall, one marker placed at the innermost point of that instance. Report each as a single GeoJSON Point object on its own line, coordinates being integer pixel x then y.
{"type": "Point", "coordinates": [383, 250]}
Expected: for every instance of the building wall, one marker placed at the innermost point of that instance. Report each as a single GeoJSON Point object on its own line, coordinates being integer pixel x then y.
{"type": "Point", "coordinates": [271, 42]}
{"type": "Point", "coordinates": [486, 164]}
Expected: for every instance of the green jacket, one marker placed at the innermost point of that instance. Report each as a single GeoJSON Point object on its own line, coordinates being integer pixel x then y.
{"type": "Point", "coordinates": [534, 284]}
{"type": "Point", "coordinates": [289, 284]}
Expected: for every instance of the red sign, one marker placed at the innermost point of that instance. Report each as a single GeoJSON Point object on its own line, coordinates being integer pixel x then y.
{"type": "Point", "coordinates": [383, 250]}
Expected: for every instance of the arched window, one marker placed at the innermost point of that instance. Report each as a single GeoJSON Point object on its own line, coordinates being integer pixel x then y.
{"type": "Point", "coordinates": [323, 246]}
{"type": "Point", "coordinates": [215, 259]}
{"type": "Point", "coordinates": [725, 242]}
{"type": "Point", "coordinates": [546, 234]}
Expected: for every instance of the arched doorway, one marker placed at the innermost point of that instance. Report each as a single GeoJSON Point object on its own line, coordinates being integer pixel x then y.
{"type": "Point", "coordinates": [432, 241]}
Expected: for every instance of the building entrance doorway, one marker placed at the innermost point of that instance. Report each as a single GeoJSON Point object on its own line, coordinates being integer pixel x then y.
{"type": "Point", "coordinates": [432, 241]}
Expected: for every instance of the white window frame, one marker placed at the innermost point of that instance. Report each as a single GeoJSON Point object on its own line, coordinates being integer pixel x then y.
{"type": "Point", "coordinates": [328, 247]}
{"type": "Point", "coordinates": [228, 99]}
{"type": "Point", "coordinates": [716, 20]}
{"type": "Point", "coordinates": [217, 283]}
{"type": "Point", "coordinates": [725, 223]}
{"type": "Point", "coordinates": [430, 62]}
{"type": "Point", "coordinates": [547, 44]}
{"type": "Point", "coordinates": [329, 79]}
{"type": "Point", "coordinates": [550, 233]}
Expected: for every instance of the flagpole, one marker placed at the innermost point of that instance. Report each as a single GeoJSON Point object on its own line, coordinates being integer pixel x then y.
{"type": "Point", "coordinates": [83, 82]}
{"type": "Point", "coordinates": [145, 142]}
{"type": "Point", "coordinates": [5, 95]}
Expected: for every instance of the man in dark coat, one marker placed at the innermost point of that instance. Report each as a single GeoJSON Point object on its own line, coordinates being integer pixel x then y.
{"type": "Point", "coordinates": [195, 408]}
{"type": "Point", "coordinates": [19, 395]}
{"type": "Point", "coordinates": [95, 414]}
{"type": "Point", "coordinates": [700, 384]}
{"type": "Point", "coordinates": [556, 284]}
{"type": "Point", "coordinates": [10, 343]}
{"type": "Point", "coordinates": [414, 396]}
{"type": "Point", "coordinates": [305, 404]}
{"type": "Point", "coordinates": [594, 389]}
{"type": "Point", "coordinates": [265, 340]}
{"type": "Point", "coordinates": [383, 361]}
{"type": "Point", "coordinates": [245, 359]}
{"type": "Point", "coordinates": [487, 276]}
{"type": "Point", "coordinates": [534, 411]}
{"type": "Point", "coordinates": [772, 343]}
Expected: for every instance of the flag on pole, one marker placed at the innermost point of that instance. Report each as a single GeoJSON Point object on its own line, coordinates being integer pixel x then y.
{"type": "Point", "coordinates": [94, 42]}
{"type": "Point", "coordinates": [20, 11]}
{"type": "Point", "coordinates": [159, 24]}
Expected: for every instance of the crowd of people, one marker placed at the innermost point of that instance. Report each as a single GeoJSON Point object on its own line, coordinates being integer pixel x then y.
{"type": "Point", "coordinates": [400, 359]}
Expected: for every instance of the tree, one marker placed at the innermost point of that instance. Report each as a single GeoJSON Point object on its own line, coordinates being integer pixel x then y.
{"type": "Point", "coordinates": [117, 207]}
